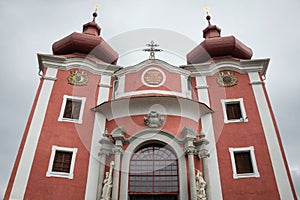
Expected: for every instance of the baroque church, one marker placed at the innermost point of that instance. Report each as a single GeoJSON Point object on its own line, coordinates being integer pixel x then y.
{"type": "Point", "coordinates": [152, 131]}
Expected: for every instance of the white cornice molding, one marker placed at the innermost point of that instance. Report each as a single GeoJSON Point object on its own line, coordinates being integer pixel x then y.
{"type": "Point", "coordinates": [62, 63]}
{"type": "Point", "coordinates": [168, 105]}
{"type": "Point", "coordinates": [153, 62]}
{"type": "Point", "coordinates": [241, 66]}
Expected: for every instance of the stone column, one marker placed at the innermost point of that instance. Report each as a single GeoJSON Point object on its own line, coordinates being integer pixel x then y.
{"type": "Point", "coordinates": [190, 150]}
{"type": "Point", "coordinates": [102, 161]}
{"type": "Point", "coordinates": [115, 193]}
{"type": "Point", "coordinates": [118, 137]}
{"type": "Point", "coordinates": [189, 137]}
{"type": "Point", "coordinates": [203, 154]}
{"type": "Point", "coordinates": [106, 150]}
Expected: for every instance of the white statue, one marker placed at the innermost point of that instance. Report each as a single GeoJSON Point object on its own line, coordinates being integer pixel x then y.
{"type": "Point", "coordinates": [107, 184]}
{"type": "Point", "coordinates": [200, 186]}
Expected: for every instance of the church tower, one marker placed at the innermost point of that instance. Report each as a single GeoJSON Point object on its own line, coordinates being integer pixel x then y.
{"type": "Point", "coordinates": [201, 131]}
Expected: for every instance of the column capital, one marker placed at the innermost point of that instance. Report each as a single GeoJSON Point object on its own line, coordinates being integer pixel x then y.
{"type": "Point", "coordinates": [104, 152]}
{"type": "Point", "coordinates": [190, 150]}
{"type": "Point", "coordinates": [117, 150]}
{"type": "Point", "coordinates": [118, 134]}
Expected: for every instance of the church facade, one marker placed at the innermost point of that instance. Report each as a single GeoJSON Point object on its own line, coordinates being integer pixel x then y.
{"type": "Point", "coordinates": [203, 130]}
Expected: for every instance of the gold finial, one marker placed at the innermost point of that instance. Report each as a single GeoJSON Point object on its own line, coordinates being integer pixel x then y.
{"type": "Point", "coordinates": [96, 6]}
{"type": "Point", "coordinates": [207, 9]}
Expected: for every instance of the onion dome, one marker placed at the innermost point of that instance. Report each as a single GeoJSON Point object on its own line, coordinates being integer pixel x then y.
{"type": "Point", "coordinates": [88, 43]}
{"type": "Point", "coordinates": [214, 46]}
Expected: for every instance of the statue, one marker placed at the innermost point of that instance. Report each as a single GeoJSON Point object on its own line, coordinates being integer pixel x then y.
{"type": "Point", "coordinates": [200, 186]}
{"type": "Point", "coordinates": [107, 183]}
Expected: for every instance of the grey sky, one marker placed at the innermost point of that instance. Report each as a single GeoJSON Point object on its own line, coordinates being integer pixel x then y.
{"type": "Point", "coordinates": [270, 28]}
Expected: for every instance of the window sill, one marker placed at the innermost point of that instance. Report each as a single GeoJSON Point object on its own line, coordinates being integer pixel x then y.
{"type": "Point", "coordinates": [77, 121]}
{"type": "Point", "coordinates": [60, 175]}
{"type": "Point", "coordinates": [235, 121]}
{"type": "Point", "coordinates": [246, 175]}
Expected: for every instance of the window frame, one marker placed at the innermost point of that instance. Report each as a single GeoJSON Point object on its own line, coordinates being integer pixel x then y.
{"type": "Point", "coordinates": [61, 117]}
{"type": "Point", "coordinates": [225, 102]}
{"type": "Point", "coordinates": [253, 162]}
{"type": "Point", "coordinates": [167, 176]}
{"type": "Point", "coordinates": [69, 175]}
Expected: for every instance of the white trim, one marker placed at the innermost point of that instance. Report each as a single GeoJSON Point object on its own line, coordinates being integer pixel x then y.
{"type": "Point", "coordinates": [26, 160]}
{"type": "Point", "coordinates": [63, 105]}
{"type": "Point", "coordinates": [63, 63]}
{"type": "Point", "coordinates": [98, 130]}
{"type": "Point", "coordinates": [280, 171]}
{"type": "Point", "coordinates": [154, 135]}
{"type": "Point", "coordinates": [161, 92]}
{"type": "Point", "coordinates": [153, 68]}
{"type": "Point", "coordinates": [242, 107]}
{"type": "Point", "coordinates": [212, 174]}
{"type": "Point", "coordinates": [69, 175]}
{"type": "Point", "coordinates": [253, 162]}
{"type": "Point", "coordinates": [186, 86]}
{"type": "Point", "coordinates": [241, 66]}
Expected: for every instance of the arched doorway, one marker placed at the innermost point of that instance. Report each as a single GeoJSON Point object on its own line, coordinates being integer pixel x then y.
{"type": "Point", "coordinates": [153, 174]}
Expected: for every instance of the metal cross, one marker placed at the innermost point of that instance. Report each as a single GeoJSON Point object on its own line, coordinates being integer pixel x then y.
{"type": "Point", "coordinates": [152, 49]}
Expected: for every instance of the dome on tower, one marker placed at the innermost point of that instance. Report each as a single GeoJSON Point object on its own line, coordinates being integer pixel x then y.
{"type": "Point", "coordinates": [88, 43]}
{"type": "Point", "coordinates": [215, 46]}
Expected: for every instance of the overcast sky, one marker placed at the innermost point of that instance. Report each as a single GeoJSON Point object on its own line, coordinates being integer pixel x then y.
{"type": "Point", "coordinates": [271, 28]}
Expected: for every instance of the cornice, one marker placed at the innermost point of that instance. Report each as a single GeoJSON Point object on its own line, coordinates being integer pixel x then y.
{"type": "Point", "coordinates": [63, 63]}
{"type": "Point", "coordinates": [241, 66]}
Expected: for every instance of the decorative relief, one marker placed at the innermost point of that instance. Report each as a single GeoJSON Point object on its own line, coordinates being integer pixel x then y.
{"type": "Point", "coordinates": [200, 186]}
{"type": "Point", "coordinates": [154, 120]}
{"type": "Point", "coordinates": [153, 77]}
{"type": "Point", "coordinates": [78, 78]}
{"type": "Point", "coordinates": [227, 79]}
{"type": "Point", "coordinates": [107, 183]}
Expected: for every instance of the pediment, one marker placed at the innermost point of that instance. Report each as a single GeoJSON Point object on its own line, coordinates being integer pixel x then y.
{"type": "Point", "coordinates": [153, 63]}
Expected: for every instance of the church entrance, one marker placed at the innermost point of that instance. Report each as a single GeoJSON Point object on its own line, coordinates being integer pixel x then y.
{"type": "Point", "coordinates": [153, 174]}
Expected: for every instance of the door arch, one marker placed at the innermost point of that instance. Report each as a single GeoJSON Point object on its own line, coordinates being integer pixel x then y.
{"type": "Point", "coordinates": [153, 173]}
{"type": "Point", "coordinates": [151, 136]}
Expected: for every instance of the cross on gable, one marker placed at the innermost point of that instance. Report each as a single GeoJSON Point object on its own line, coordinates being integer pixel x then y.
{"type": "Point", "coordinates": [152, 49]}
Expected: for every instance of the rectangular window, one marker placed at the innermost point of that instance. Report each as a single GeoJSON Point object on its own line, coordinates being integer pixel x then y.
{"type": "Point", "coordinates": [62, 162]}
{"type": "Point", "coordinates": [72, 109]}
{"type": "Point", "coordinates": [243, 162]}
{"type": "Point", "coordinates": [234, 110]}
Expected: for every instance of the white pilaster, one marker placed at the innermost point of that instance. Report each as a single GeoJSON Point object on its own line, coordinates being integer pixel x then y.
{"type": "Point", "coordinates": [211, 167]}
{"type": "Point", "coordinates": [279, 168]}
{"type": "Point", "coordinates": [191, 162]}
{"type": "Point", "coordinates": [23, 171]}
{"type": "Point", "coordinates": [99, 126]}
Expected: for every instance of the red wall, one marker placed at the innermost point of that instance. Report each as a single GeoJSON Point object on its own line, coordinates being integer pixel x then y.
{"type": "Point", "coordinates": [241, 135]}
{"type": "Point", "coordinates": [15, 168]}
{"type": "Point", "coordinates": [64, 134]}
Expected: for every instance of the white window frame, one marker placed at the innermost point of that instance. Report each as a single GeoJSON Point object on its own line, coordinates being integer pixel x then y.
{"type": "Point", "coordinates": [242, 107]}
{"type": "Point", "coordinates": [62, 110]}
{"type": "Point", "coordinates": [69, 175]}
{"type": "Point", "coordinates": [253, 161]}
